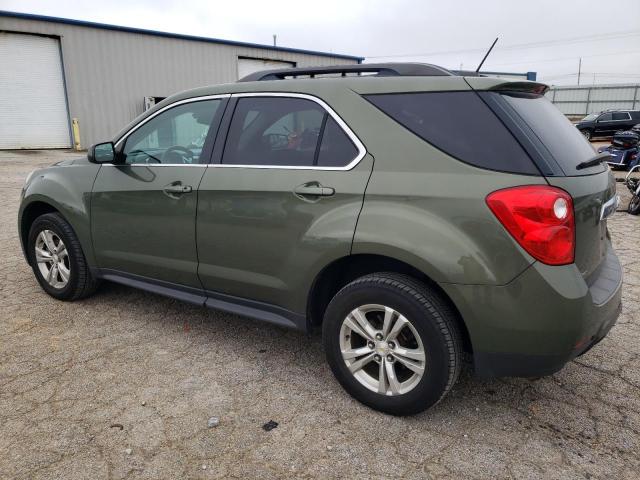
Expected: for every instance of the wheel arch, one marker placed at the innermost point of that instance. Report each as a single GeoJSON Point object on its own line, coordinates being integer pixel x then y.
{"type": "Point", "coordinates": [28, 215]}
{"type": "Point", "coordinates": [35, 208]}
{"type": "Point", "coordinates": [346, 269]}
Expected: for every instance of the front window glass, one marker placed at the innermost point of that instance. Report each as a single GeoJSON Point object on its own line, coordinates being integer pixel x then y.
{"type": "Point", "coordinates": [175, 136]}
{"type": "Point", "coordinates": [605, 117]}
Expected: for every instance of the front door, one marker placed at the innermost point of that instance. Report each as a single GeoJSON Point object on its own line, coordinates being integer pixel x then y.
{"type": "Point", "coordinates": [282, 202]}
{"type": "Point", "coordinates": [143, 208]}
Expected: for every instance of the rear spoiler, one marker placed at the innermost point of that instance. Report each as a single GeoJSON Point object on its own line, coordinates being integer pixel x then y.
{"type": "Point", "coordinates": [506, 85]}
{"type": "Point", "coordinates": [523, 87]}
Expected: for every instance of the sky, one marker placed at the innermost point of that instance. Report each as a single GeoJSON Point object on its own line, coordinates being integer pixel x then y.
{"type": "Point", "coordinates": [545, 36]}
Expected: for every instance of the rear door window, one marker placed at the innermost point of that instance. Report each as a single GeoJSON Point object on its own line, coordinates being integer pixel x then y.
{"type": "Point", "coordinates": [621, 116]}
{"type": "Point", "coordinates": [461, 125]}
{"type": "Point", "coordinates": [274, 131]}
{"type": "Point", "coordinates": [336, 149]}
{"type": "Point", "coordinates": [286, 132]}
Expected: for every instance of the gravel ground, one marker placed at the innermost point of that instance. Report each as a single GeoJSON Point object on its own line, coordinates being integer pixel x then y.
{"type": "Point", "coordinates": [122, 385]}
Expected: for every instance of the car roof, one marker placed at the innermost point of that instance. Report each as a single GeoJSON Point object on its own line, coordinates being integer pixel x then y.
{"type": "Point", "coordinates": [330, 86]}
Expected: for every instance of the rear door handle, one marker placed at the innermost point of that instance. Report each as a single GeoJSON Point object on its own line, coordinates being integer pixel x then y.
{"type": "Point", "coordinates": [313, 189]}
{"type": "Point", "coordinates": [177, 189]}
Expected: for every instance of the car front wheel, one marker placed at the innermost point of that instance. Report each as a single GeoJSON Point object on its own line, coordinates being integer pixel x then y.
{"type": "Point", "coordinates": [57, 259]}
{"type": "Point", "coordinates": [587, 134]}
{"type": "Point", "coordinates": [392, 343]}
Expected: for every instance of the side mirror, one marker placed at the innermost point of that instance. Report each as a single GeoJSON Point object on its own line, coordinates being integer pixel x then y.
{"type": "Point", "coordinates": [102, 153]}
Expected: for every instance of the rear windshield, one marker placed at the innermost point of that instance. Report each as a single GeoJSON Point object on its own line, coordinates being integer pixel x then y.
{"type": "Point", "coordinates": [562, 139]}
{"type": "Point", "coordinates": [461, 125]}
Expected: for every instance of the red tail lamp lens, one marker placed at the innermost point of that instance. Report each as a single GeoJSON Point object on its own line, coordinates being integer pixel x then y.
{"type": "Point", "coordinates": [541, 220]}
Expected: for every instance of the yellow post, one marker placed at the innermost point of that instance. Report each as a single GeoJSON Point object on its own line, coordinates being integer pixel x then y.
{"type": "Point", "coordinates": [75, 127]}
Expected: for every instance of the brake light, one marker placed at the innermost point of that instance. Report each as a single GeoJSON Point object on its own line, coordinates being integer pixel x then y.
{"type": "Point", "coordinates": [540, 218]}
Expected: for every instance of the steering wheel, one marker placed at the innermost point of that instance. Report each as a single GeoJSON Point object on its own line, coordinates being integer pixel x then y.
{"type": "Point", "coordinates": [182, 154]}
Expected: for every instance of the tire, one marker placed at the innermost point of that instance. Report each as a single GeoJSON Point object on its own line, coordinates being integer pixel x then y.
{"type": "Point", "coordinates": [634, 205]}
{"type": "Point", "coordinates": [431, 329]}
{"type": "Point", "coordinates": [51, 229]}
{"type": "Point", "coordinates": [587, 134]}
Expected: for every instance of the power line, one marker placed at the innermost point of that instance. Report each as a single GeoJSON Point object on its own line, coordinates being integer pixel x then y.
{"type": "Point", "coordinates": [558, 59]}
{"type": "Point", "coordinates": [589, 38]}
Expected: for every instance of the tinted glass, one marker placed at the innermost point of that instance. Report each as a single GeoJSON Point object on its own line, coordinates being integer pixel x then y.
{"type": "Point", "coordinates": [604, 117]}
{"type": "Point", "coordinates": [336, 148]}
{"type": "Point", "coordinates": [561, 138]}
{"type": "Point", "coordinates": [620, 116]}
{"type": "Point", "coordinates": [174, 136]}
{"type": "Point", "coordinates": [274, 131]}
{"type": "Point", "coordinates": [460, 124]}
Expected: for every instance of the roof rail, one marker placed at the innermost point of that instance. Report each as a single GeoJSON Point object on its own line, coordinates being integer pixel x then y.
{"type": "Point", "coordinates": [379, 69]}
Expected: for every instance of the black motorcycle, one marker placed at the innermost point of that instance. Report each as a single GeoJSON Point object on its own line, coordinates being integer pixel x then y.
{"type": "Point", "coordinates": [624, 150]}
{"type": "Point", "coordinates": [633, 184]}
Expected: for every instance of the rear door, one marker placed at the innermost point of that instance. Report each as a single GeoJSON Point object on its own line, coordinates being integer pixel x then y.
{"type": "Point", "coordinates": [282, 199]}
{"type": "Point", "coordinates": [605, 126]}
{"type": "Point", "coordinates": [144, 209]}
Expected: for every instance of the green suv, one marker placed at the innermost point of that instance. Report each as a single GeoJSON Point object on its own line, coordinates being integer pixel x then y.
{"type": "Point", "coordinates": [419, 218]}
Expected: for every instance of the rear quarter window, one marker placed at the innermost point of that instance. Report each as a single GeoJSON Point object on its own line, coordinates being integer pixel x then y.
{"type": "Point", "coordinates": [562, 140]}
{"type": "Point", "coordinates": [461, 125]}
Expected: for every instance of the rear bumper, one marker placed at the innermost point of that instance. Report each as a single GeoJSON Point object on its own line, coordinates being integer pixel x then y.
{"type": "Point", "coordinates": [541, 320]}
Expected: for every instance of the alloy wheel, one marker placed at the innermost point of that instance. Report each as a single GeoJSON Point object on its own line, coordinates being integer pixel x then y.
{"type": "Point", "coordinates": [382, 349]}
{"type": "Point", "coordinates": [52, 259]}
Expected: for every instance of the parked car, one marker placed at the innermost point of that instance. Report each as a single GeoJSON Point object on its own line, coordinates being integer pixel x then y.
{"type": "Point", "coordinates": [623, 151]}
{"type": "Point", "coordinates": [415, 216]}
{"type": "Point", "coordinates": [605, 124]}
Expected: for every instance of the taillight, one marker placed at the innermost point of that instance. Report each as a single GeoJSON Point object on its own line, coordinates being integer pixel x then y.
{"type": "Point", "coordinates": [541, 220]}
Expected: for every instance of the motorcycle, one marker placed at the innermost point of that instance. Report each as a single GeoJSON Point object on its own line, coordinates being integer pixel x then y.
{"type": "Point", "coordinates": [624, 150]}
{"type": "Point", "coordinates": [633, 184]}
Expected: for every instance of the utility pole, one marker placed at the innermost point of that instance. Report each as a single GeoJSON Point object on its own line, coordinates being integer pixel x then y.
{"type": "Point", "coordinates": [579, 69]}
{"type": "Point", "coordinates": [274, 39]}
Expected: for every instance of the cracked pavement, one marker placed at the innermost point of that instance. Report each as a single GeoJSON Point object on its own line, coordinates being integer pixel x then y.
{"type": "Point", "coordinates": [122, 384]}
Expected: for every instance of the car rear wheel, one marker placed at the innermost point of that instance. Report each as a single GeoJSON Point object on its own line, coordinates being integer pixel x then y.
{"type": "Point", "coordinates": [57, 259]}
{"type": "Point", "coordinates": [392, 343]}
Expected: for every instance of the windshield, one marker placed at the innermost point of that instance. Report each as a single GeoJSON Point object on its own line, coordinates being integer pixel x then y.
{"type": "Point", "coordinates": [590, 118]}
{"type": "Point", "coordinates": [565, 143]}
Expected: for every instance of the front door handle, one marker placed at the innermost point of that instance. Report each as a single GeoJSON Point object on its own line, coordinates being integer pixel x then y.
{"type": "Point", "coordinates": [177, 188]}
{"type": "Point", "coordinates": [313, 189]}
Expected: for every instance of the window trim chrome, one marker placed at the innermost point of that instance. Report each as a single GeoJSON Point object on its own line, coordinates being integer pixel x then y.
{"type": "Point", "coordinates": [362, 151]}
{"type": "Point", "coordinates": [164, 109]}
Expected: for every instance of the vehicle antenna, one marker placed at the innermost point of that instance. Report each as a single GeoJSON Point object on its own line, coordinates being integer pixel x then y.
{"type": "Point", "coordinates": [486, 55]}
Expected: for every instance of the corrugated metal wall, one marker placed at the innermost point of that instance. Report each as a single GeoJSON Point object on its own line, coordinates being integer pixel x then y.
{"type": "Point", "coordinates": [108, 73]}
{"type": "Point", "coordinates": [584, 99]}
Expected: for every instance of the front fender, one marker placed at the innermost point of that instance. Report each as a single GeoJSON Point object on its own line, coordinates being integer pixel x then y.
{"type": "Point", "coordinates": [67, 189]}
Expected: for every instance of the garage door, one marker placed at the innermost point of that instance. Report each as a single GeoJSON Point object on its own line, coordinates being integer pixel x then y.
{"type": "Point", "coordinates": [250, 65]}
{"type": "Point", "coordinates": [33, 108]}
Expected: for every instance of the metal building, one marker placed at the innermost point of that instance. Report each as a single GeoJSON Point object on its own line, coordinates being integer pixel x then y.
{"type": "Point", "coordinates": [54, 70]}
